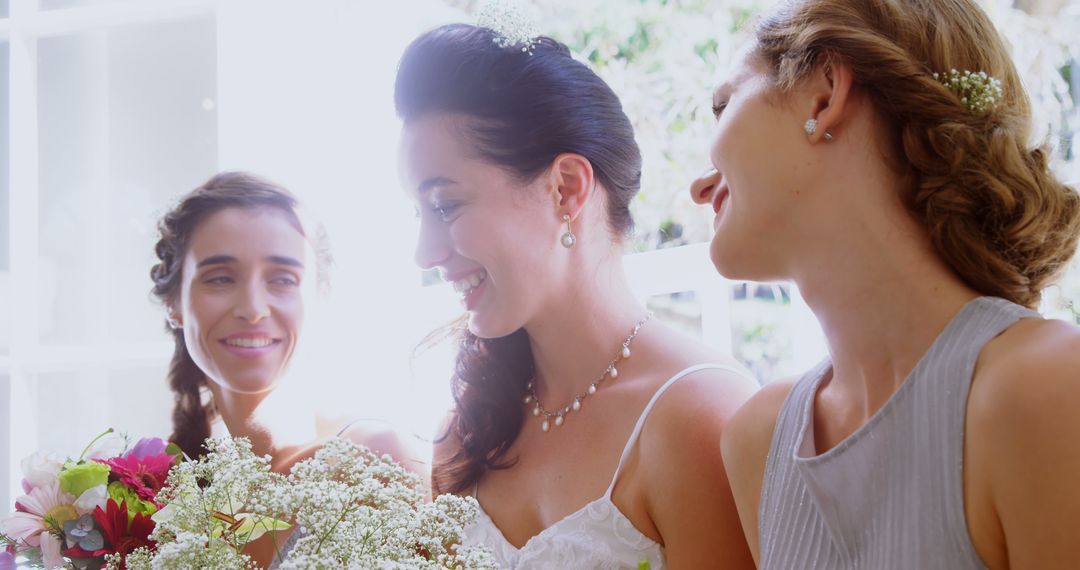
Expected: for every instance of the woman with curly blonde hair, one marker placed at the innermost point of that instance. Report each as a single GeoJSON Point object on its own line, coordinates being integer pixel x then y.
{"type": "Point", "coordinates": [876, 152]}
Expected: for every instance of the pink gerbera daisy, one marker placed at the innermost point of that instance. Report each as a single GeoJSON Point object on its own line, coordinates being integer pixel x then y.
{"type": "Point", "coordinates": [38, 520]}
{"type": "Point", "coordinates": [145, 475]}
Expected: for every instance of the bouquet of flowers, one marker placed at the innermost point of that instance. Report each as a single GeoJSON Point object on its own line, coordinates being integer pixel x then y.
{"type": "Point", "coordinates": [352, 509]}
{"type": "Point", "coordinates": [75, 513]}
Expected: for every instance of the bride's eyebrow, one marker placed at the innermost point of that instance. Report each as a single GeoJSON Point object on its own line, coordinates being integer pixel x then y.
{"type": "Point", "coordinates": [434, 182]}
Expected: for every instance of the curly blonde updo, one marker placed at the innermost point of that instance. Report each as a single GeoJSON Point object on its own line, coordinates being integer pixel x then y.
{"type": "Point", "coordinates": [993, 210]}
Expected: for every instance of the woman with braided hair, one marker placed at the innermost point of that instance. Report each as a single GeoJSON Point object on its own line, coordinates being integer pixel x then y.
{"type": "Point", "coordinates": [876, 153]}
{"type": "Point", "coordinates": [235, 262]}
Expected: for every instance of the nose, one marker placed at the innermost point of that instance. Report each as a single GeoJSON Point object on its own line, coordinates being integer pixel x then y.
{"type": "Point", "coordinates": [251, 303]}
{"type": "Point", "coordinates": [701, 189]}
{"type": "Point", "coordinates": [432, 245]}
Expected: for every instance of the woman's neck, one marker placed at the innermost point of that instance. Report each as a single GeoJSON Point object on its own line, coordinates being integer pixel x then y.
{"type": "Point", "coordinates": [575, 338]}
{"type": "Point", "coordinates": [882, 300]}
{"type": "Point", "coordinates": [239, 412]}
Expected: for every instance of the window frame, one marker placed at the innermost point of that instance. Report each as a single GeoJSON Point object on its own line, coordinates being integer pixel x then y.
{"type": "Point", "coordinates": [27, 358]}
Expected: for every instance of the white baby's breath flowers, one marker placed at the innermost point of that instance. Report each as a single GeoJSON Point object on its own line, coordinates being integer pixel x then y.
{"type": "Point", "coordinates": [214, 506]}
{"type": "Point", "coordinates": [358, 510]}
{"type": "Point", "coordinates": [978, 91]}
{"type": "Point", "coordinates": [352, 509]}
{"type": "Point", "coordinates": [514, 27]}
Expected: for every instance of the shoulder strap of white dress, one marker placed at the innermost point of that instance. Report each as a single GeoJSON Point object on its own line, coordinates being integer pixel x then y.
{"type": "Point", "coordinates": [652, 402]}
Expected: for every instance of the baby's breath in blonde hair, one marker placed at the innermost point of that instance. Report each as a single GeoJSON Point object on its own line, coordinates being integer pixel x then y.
{"type": "Point", "coordinates": [993, 210]}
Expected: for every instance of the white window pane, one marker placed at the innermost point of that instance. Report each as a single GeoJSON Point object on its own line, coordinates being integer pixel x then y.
{"type": "Point", "coordinates": [127, 123]}
{"type": "Point", "coordinates": [5, 226]}
{"type": "Point", "coordinates": [5, 242]}
{"type": "Point", "coordinates": [132, 401]}
{"type": "Point", "coordinates": [61, 4]}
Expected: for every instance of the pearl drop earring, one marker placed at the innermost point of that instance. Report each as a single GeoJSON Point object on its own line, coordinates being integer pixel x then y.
{"type": "Point", "coordinates": [568, 239]}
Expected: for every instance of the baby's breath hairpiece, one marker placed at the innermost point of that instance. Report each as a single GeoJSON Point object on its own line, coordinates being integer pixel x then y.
{"type": "Point", "coordinates": [513, 27]}
{"type": "Point", "coordinates": [978, 91]}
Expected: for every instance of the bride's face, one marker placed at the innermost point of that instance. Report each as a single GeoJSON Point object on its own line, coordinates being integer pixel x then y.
{"type": "Point", "coordinates": [241, 301]}
{"type": "Point", "coordinates": [493, 239]}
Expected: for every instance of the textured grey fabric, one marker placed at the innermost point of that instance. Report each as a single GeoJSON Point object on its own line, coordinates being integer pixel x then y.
{"type": "Point", "coordinates": [891, 494]}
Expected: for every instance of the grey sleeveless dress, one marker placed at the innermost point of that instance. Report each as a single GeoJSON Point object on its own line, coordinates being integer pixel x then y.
{"type": "Point", "coordinates": [891, 494]}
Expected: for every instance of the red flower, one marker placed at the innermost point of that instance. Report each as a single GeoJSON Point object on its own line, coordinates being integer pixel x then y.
{"type": "Point", "coordinates": [120, 536]}
{"type": "Point", "coordinates": [145, 475]}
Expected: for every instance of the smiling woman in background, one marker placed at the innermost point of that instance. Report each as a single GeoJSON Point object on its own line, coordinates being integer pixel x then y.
{"type": "Point", "coordinates": [235, 264]}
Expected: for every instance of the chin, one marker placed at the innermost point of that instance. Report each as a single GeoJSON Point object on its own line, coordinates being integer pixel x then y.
{"type": "Point", "coordinates": [250, 382]}
{"type": "Point", "coordinates": [737, 264]}
{"type": "Point", "coordinates": [488, 328]}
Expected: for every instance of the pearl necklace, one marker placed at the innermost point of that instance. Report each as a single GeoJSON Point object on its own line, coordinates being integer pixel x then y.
{"type": "Point", "coordinates": [575, 405]}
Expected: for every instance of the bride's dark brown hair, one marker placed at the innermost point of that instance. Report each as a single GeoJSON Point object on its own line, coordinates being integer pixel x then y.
{"type": "Point", "coordinates": [523, 109]}
{"type": "Point", "coordinates": [192, 412]}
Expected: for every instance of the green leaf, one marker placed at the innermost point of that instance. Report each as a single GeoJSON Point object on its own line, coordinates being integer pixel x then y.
{"type": "Point", "coordinates": [165, 514]}
{"type": "Point", "coordinates": [175, 451]}
{"type": "Point", "coordinates": [254, 526]}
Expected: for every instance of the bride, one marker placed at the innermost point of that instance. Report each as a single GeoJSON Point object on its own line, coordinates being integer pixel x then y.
{"type": "Point", "coordinates": [588, 432]}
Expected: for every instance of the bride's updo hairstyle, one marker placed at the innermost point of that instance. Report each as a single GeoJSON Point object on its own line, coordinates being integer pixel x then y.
{"type": "Point", "coordinates": [525, 108]}
{"type": "Point", "coordinates": [992, 209]}
{"type": "Point", "coordinates": [192, 413]}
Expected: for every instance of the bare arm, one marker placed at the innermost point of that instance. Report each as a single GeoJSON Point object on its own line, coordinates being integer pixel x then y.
{"type": "Point", "coordinates": [1025, 412]}
{"type": "Point", "coordinates": [689, 498]}
{"type": "Point", "coordinates": [406, 449]}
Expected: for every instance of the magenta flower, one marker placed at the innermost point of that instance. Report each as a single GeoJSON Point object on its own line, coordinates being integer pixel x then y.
{"type": "Point", "coordinates": [145, 475]}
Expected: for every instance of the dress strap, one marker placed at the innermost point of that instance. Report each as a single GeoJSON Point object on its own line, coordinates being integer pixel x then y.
{"type": "Point", "coordinates": [349, 425]}
{"type": "Point", "coordinates": [648, 408]}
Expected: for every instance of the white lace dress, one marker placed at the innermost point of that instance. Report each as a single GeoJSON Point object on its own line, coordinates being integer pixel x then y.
{"type": "Point", "coordinates": [598, 536]}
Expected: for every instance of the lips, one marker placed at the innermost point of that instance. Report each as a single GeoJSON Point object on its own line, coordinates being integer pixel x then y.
{"type": "Point", "coordinates": [249, 342]}
{"type": "Point", "coordinates": [249, 345]}
{"type": "Point", "coordinates": [465, 284]}
{"type": "Point", "coordinates": [468, 285]}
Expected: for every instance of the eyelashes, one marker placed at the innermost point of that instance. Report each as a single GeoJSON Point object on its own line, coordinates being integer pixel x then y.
{"type": "Point", "coordinates": [717, 109]}
{"type": "Point", "coordinates": [277, 281]}
{"type": "Point", "coordinates": [444, 210]}
{"type": "Point", "coordinates": [286, 281]}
